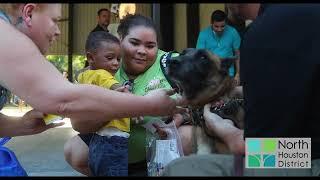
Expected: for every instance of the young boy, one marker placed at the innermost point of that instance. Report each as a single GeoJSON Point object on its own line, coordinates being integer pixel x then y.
{"type": "Point", "coordinates": [108, 147]}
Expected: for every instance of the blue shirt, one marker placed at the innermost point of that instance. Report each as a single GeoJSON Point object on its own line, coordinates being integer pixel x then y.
{"type": "Point", "coordinates": [223, 46]}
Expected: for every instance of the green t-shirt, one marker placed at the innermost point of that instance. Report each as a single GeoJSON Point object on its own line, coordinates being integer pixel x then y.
{"type": "Point", "coordinates": [151, 79]}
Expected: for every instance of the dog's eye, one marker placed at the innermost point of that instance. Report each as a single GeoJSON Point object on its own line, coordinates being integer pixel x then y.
{"type": "Point", "coordinates": [203, 57]}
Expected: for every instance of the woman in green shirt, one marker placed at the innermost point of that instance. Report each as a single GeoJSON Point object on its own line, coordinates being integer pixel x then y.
{"type": "Point", "coordinates": [140, 67]}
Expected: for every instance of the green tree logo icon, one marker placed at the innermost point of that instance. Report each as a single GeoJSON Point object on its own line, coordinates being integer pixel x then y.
{"type": "Point", "coordinates": [261, 153]}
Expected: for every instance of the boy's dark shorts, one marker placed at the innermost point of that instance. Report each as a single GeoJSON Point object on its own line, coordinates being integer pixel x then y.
{"type": "Point", "coordinates": [135, 169]}
{"type": "Point", "coordinates": [108, 156]}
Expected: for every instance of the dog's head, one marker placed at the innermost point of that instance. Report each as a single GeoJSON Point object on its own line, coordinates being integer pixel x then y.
{"type": "Point", "coordinates": [200, 76]}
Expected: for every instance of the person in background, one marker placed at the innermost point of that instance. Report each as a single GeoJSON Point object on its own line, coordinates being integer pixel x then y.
{"type": "Point", "coordinates": [223, 41]}
{"type": "Point", "coordinates": [103, 18]}
{"type": "Point", "coordinates": [235, 22]}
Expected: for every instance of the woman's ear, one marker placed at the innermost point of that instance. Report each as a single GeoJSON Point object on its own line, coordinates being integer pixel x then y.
{"type": "Point", "coordinates": [27, 12]}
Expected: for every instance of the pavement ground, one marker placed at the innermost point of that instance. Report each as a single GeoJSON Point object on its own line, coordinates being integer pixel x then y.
{"type": "Point", "coordinates": [42, 154]}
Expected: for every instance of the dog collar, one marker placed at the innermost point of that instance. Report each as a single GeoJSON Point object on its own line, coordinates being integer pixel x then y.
{"type": "Point", "coordinates": [165, 58]}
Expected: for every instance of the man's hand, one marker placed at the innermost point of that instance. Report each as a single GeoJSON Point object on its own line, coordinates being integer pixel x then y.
{"type": "Point", "coordinates": [218, 126]}
{"type": "Point", "coordinates": [32, 123]}
{"type": "Point", "coordinates": [236, 80]}
{"type": "Point", "coordinates": [225, 130]}
{"type": "Point", "coordinates": [163, 104]}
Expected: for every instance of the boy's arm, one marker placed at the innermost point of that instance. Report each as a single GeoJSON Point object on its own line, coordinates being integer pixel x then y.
{"type": "Point", "coordinates": [107, 80]}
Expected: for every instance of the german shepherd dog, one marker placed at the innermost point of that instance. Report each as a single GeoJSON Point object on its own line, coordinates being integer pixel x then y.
{"type": "Point", "coordinates": [202, 78]}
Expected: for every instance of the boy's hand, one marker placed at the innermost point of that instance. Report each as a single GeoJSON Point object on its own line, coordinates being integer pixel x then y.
{"type": "Point", "coordinates": [124, 89]}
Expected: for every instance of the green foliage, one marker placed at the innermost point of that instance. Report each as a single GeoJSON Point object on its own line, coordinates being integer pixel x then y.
{"type": "Point", "coordinates": [61, 62]}
{"type": "Point", "coordinates": [78, 62]}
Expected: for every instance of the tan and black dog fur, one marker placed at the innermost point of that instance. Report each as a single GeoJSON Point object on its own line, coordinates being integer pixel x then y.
{"type": "Point", "coordinates": [203, 78]}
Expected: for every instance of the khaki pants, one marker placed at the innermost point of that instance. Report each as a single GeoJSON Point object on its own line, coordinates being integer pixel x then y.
{"type": "Point", "coordinates": [223, 165]}
{"type": "Point", "coordinates": [201, 165]}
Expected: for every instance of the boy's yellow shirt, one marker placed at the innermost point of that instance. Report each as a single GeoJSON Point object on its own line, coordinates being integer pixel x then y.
{"type": "Point", "coordinates": [104, 79]}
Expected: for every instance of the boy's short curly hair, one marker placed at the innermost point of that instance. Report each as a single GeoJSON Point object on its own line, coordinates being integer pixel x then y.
{"type": "Point", "coordinates": [95, 38]}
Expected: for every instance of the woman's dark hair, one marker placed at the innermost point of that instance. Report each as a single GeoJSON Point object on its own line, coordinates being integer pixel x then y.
{"type": "Point", "coordinates": [130, 21]}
